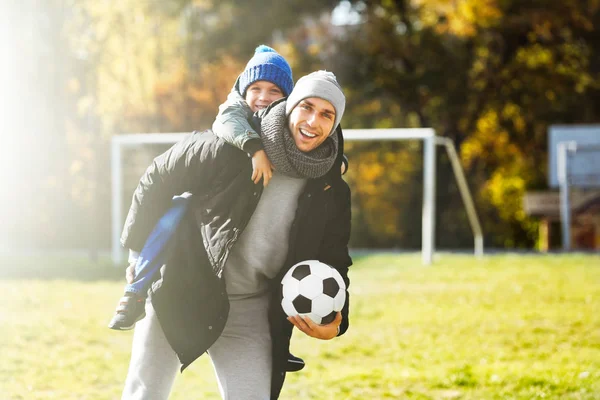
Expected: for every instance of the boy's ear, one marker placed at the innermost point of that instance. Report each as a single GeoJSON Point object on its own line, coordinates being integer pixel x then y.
{"type": "Point", "coordinates": [236, 85]}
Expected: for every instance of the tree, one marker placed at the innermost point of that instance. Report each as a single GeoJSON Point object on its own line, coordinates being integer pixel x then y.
{"type": "Point", "coordinates": [490, 75]}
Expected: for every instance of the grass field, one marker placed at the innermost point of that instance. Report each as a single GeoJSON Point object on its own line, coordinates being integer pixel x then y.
{"type": "Point", "coordinates": [504, 327]}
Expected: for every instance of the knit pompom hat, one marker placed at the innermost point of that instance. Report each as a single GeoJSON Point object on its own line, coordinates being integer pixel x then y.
{"type": "Point", "coordinates": [321, 84]}
{"type": "Point", "coordinates": [267, 65]}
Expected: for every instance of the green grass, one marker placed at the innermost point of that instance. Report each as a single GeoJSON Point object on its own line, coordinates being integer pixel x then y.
{"type": "Point", "coordinates": [504, 327]}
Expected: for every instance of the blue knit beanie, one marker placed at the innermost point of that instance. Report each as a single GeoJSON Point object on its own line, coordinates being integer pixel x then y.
{"type": "Point", "coordinates": [267, 65]}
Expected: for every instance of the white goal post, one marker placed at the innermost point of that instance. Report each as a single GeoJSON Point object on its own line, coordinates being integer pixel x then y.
{"type": "Point", "coordinates": [427, 135]}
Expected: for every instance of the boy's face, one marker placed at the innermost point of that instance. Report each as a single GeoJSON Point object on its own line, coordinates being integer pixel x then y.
{"type": "Point", "coordinates": [310, 122]}
{"type": "Point", "coordinates": [261, 94]}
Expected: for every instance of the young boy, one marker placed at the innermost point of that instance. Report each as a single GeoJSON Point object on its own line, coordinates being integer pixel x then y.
{"type": "Point", "coordinates": [266, 78]}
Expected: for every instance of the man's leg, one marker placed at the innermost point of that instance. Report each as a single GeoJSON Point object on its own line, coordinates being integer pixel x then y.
{"type": "Point", "coordinates": [153, 365]}
{"type": "Point", "coordinates": [242, 354]}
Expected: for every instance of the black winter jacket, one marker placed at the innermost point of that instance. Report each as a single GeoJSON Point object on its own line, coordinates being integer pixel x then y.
{"type": "Point", "coordinates": [190, 298]}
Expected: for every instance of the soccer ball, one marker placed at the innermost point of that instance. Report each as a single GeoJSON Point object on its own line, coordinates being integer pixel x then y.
{"type": "Point", "coordinates": [313, 289]}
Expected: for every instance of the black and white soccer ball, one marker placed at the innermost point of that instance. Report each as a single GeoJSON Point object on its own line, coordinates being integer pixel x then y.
{"type": "Point", "coordinates": [314, 289]}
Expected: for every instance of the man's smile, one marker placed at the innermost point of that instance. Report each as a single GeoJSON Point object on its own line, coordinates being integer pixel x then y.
{"type": "Point", "coordinates": [306, 133]}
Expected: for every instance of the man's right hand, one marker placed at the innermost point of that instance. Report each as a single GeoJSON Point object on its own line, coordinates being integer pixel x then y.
{"type": "Point", "coordinates": [261, 168]}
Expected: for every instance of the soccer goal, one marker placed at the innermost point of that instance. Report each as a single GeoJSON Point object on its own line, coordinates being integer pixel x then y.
{"type": "Point", "coordinates": [426, 135]}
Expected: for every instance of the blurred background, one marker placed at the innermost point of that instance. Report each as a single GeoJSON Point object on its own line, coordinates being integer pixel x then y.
{"type": "Point", "coordinates": [491, 75]}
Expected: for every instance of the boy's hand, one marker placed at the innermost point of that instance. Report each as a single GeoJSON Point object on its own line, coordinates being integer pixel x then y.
{"type": "Point", "coordinates": [324, 332]}
{"type": "Point", "coordinates": [261, 168]}
{"type": "Point", "coordinates": [130, 272]}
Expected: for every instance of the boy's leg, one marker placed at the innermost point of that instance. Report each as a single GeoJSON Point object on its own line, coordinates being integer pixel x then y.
{"type": "Point", "coordinates": [242, 354]}
{"type": "Point", "coordinates": [153, 364]}
{"type": "Point", "coordinates": [129, 311]}
{"type": "Point", "coordinates": [151, 258]}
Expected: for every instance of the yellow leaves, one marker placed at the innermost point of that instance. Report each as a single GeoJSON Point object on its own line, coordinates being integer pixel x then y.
{"type": "Point", "coordinates": [189, 99]}
{"type": "Point", "coordinates": [585, 81]}
{"type": "Point", "coordinates": [460, 26]}
{"type": "Point", "coordinates": [380, 183]}
{"type": "Point", "coordinates": [370, 172]}
{"type": "Point", "coordinates": [127, 48]}
{"type": "Point", "coordinates": [505, 190]}
{"type": "Point", "coordinates": [483, 13]}
{"type": "Point", "coordinates": [535, 56]}
{"type": "Point", "coordinates": [490, 141]}
{"type": "Point", "coordinates": [510, 110]}
{"type": "Point", "coordinates": [371, 107]}
{"type": "Point", "coordinates": [482, 52]}
{"type": "Point", "coordinates": [430, 17]}
{"type": "Point", "coordinates": [469, 151]}
{"type": "Point", "coordinates": [462, 18]}
{"type": "Point", "coordinates": [488, 122]}
{"type": "Point", "coordinates": [550, 95]}
{"type": "Point", "coordinates": [289, 51]}
{"type": "Point", "coordinates": [491, 144]}
{"type": "Point", "coordinates": [513, 112]}
{"type": "Point", "coordinates": [314, 49]}
{"type": "Point", "coordinates": [568, 60]}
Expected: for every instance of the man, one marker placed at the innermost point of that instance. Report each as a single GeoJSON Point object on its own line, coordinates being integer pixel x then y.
{"type": "Point", "coordinates": [219, 289]}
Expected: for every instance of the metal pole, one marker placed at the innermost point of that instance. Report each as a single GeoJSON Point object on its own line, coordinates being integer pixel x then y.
{"type": "Point", "coordinates": [117, 211]}
{"type": "Point", "coordinates": [465, 194]}
{"type": "Point", "coordinates": [565, 196]}
{"type": "Point", "coordinates": [428, 215]}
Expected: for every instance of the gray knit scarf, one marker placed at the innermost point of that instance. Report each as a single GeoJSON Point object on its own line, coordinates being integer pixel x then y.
{"type": "Point", "coordinates": [283, 153]}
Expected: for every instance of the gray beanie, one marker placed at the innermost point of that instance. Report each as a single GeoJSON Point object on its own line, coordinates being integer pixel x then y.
{"type": "Point", "coordinates": [321, 84]}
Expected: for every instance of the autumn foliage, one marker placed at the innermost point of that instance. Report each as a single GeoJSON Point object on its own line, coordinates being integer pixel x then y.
{"type": "Point", "coordinates": [491, 75]}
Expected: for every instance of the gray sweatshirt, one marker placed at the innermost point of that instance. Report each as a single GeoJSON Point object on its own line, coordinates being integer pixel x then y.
{"type": "Point", "coordinates": [262, 247]}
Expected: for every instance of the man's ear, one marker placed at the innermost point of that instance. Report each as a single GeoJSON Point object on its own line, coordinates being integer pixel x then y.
{"type": "Point", "coordinates": [345, 164]}
{"type": "Point", "coordinates": [338, 129]}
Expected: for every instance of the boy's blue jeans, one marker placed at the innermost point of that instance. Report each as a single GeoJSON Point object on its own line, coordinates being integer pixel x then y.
{"type": "Point", "coordinates": [155, 250]}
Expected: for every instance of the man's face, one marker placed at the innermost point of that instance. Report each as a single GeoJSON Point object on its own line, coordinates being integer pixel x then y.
{"type": "Point", "coordinates": [261, 94]}
{"type": "Point", "coordinates": [310, 122]}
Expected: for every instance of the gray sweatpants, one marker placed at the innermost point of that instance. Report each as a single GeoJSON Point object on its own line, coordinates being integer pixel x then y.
{"type": "Point", "coordinates": [241, 356]}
